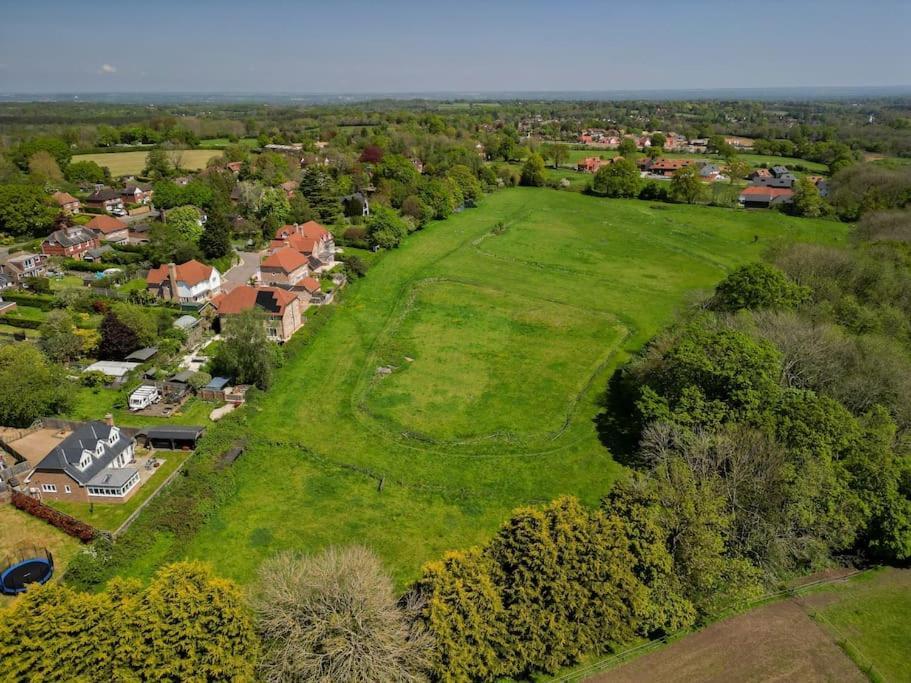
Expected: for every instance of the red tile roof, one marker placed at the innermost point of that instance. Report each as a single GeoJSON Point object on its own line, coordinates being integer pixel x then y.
{"type": "Point", "coordinates": [192, 272]}
{"type": "Point", "coordinates": [106, 224]}
{"type": "Point", "coordinates": [309, 229]}
{"type": "Point", "coordinates": [245, 297]}
{"type": "Point", "coordinates": [758, 190]}
{"type": "Point", "coordinates": [285, 259]}
{"type": "Point", "coordinates": [310, 284]}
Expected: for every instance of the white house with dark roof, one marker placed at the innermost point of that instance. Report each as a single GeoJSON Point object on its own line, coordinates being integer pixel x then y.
{"type": "Point", "coordinates": [91, 464]}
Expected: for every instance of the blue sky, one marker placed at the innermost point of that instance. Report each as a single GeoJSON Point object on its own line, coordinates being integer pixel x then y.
{"type": "Point", "coordinates": [464, 45]}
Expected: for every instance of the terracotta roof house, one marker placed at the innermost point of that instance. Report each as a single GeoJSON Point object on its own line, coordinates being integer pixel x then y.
{"type": "Point", "coordinates": [190, 282]}
{"type": "Point", "coordinates": [760, 173]}
{"type": "Point", "coordinates": [21, 266]}
{"type": "Point", "coordinates": [137, 194]}
{"type": "Point", "coordinates": [106, 199]}
{"type": "Point", "coordinates": [285, 266]}
{"type": "Point", "coordinates": [282, 308]}
{"type": "Point", "coordinates": [91, 464]}
{"type": "Point", "coordinates": [667, 167]}
{"type": "Point", "coordinates": [234, 166]}
{"type": "Point", "coordinates": [761, 197]}
{"type": "Point", "coordinates": [109, 229]}
{"type": "Point", "coordinates": [67, 203]}
{"type": "Point", "coordinates": [591, 164]}
{"type": "Point", "coordinates": [72, 242]}
{"type": "Point", "coordinates": [311, 239]}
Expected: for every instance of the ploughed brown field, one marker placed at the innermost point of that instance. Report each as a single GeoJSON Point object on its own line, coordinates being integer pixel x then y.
{"type": "Point", "coordinates": [778, 642]}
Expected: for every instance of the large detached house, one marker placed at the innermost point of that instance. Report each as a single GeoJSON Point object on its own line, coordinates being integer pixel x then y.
{"type": "Point", "coordinates": [188, 283]}
{"type": "Point", "coordinates": [68, 203]}
{"type": "Point", "coordinates": [137, 194]}
{"type": "Point", "coordinates": [91, 464]}
{"type": "Point", "coordinates": [282, 308]}
{"type": "Point", "coordinates": [71, 242]}
{"type": "Point", "coordinates": [311, 239]}
{"type": "Point", "coordinates": [106, 199]}
{"type": "Point", "coordinates": [22, 266]}
{"type": "Point", "coordinates": [109, 229]}
{"type": "Point", "coordinates": [286, 266]}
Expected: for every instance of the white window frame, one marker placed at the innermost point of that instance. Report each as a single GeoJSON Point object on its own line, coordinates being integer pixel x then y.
{"type": "Point", "coordinates": [49, 488]}
{"type": "Point", "coordinates": [67, 489]}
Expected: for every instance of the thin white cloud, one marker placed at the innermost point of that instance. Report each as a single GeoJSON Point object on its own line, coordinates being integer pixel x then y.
{"type": "Point", "coordinates": [108, 69]}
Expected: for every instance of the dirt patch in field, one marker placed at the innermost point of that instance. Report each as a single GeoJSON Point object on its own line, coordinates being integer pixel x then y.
{"type": "Point", "coordinates": [778, 642]}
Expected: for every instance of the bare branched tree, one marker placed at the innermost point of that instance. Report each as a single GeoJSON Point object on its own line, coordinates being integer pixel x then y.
{"type": "Point", "coordinates": [334, 617]}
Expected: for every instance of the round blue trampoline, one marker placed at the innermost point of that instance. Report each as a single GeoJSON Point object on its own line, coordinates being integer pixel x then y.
{"type": "Point", "coordinates": [26, 567]}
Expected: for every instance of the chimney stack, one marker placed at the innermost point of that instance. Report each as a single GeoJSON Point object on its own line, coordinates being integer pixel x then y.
{"type": "Point", "coordinates": [172, 281]}
{"type": "Point", "coordinates": [109, 420]}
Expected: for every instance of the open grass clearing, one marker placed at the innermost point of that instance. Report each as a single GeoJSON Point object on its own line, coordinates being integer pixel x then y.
{"type": "Point", "coordinates": [132, 163]}
{"type": "Point", "coordinates": [221, 143]}
{"type": "Point", "coordinates": [595, 269]}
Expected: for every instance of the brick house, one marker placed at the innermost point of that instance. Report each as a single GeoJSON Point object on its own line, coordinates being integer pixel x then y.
{"type": "Point", "coordinates": [667, 167]}
{"type": "Point", "coordinates": [106, 199]}
{"type": "Point", "coordinates": [68, 204]}
{"type": "Point", "coordinates": [190, 282]}
{"type": "Point", "coordinates": [285, 266]}
{"type": "Point", "coordinates": [591, 164]}
{"type": "Point", "coordinates": [137, 194]}
{"type": "Point", "coordinates": [109, 229]}
{"type": "Point", "coordinates": [311, 239]}
{"type": "Point", "coordinates": [22, 266]}
{"type": "Point", "coordinates": [282, 308]}
{"type": "Point", "coordinates": [71, 242]}
{"type": "Point", "coordinates": [90, 465]}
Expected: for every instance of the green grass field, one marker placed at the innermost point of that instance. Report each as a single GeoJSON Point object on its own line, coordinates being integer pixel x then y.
{"type": "Point", "coordinates": [132, 163]}
{"type": "Point", "coordinates": [512, 334]}
{"type": "Point", "coordinates": [221, 143]}
{"type": "Point", "coordinates": [869, 618]}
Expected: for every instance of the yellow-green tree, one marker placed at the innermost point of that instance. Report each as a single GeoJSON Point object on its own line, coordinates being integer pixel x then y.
{"type": "Point", "coordinates": [190, 625]}
{"type": "Point", "coordinates": [464, 613]}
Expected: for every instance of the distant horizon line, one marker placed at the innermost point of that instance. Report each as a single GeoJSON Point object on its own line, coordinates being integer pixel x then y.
{"type": "Point", "coordinates": [757, 92]}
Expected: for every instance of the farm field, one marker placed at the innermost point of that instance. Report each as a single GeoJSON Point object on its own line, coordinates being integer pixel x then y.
{"type": "Point", "coordinates": [837, 632]}
{"type": "Point", "coordinates": [459, 379]}
{"type": "Point", "coordinates": [131, 163]}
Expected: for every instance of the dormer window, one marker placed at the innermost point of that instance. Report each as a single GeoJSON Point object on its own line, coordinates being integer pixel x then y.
{"type": "Point", "coordinates": [114, 437]}
{"type": "Point", "coordinates": [85, 460]}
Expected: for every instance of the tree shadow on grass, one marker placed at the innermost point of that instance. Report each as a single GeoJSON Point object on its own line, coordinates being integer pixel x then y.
{"type": "Point", "coordinates": [618, 423]}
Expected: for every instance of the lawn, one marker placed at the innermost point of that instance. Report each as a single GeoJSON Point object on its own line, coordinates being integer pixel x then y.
{"type": "Point", "coordinates": [21, 529]}
{"type": "Point", "coordinates": [132, 163]}
{"type": "Point", "coordinates": [93, 403]}
{"type": "Point", "coordinates": [109, 516]}
{"type": "Point", "coordinates": [513, 331]}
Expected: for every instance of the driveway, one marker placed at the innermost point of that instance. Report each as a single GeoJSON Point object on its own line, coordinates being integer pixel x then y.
{"type": "Point", "coordinates": [243, 271]}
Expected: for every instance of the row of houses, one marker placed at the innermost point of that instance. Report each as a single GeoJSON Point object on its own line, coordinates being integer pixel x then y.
{"type": "Point", "coordinates": [109, 200]}
{"type": "Point", "coordinates": [611, 139]}
{"type": "Point", "coordinates": [284, 285]}
{"type": "Point", "coordinates": [657, 168]}
{"type": "Point", "coordinates": [771, 187]}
